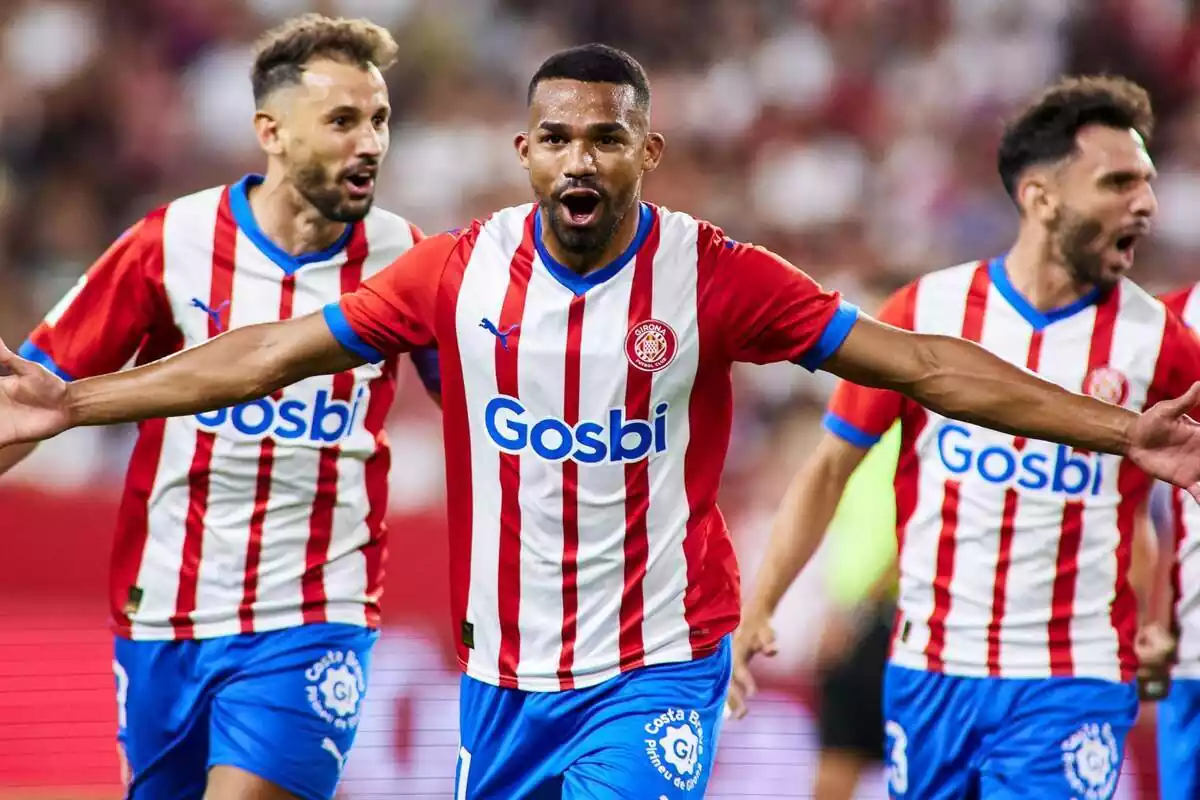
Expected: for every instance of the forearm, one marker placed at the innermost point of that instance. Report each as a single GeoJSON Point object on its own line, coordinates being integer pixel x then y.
{"type": "Point", "coordinates": [961, 380]}
{"type": "Point", "coordinates": [233, 368]}
{"type": "Point", "coordinates": [14, 454]}
{"type": "Point", "coordinates": [799, 527]}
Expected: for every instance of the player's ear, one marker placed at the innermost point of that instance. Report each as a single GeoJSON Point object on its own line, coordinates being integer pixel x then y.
{"type": "Point", "coordinates": [521, 143]}
{"type": "Point", "coordinates": [266, 126]}
{"type": "Point", "coordinates": [1034, 198]}
{"type": "Point", "coordinates": [653, 151]}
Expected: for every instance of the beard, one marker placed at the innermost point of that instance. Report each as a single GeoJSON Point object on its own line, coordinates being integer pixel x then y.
{"type": "Point", "coordinates": [1080, 244]}
{"type": "Point", "coordinates": [591, 240]}
{"type": "Point", "coordinates": [327, 196]}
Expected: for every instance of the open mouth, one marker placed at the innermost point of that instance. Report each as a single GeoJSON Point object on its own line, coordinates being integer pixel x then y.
{"type": "Point", "coordinates": [582, 206]}
{"type": "Point", "coordinates": [360, 183]}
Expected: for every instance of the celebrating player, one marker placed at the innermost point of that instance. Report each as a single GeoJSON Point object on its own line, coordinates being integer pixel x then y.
{"type": "Point", "coordinates": [1013, 653]}
{"type": "Point", "coordinates": [586, 346]}
{"type": "Point", "coordinates": [248, 561]}
{"type": "Point", "coordinates": [1179, 619]}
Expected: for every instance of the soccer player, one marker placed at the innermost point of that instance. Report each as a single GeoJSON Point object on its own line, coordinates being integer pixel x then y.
{"type": "Point", "coordinates": [1179, 619]}
{"type": "Point", "coordinates": [586, 344]}
{"type": "Point", "coordinates": [1013, 652]}
{"type": "Point", "coordinates": [249, 551]}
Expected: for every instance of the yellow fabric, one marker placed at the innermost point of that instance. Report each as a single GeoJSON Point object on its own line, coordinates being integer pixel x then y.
{"type": "Point", "coordinates": [862, 536]}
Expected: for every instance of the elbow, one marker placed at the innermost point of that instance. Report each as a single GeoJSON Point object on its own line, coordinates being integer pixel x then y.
{"type": "Point", "coordinates": [932, 381]}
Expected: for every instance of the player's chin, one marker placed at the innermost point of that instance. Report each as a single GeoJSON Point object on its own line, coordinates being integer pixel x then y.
{"type": "Point", "coordinates": [352, 210]}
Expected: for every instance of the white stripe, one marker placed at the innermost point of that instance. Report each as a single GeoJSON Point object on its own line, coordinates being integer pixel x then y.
{"type": "Point", "coordinates": [601, 577]}
{"type": "Point", "coordinates": [187, 273]}
{"type": "Point", "coordinates": [541, 376]}
{"type": "Point", "coordinates": [1191, 308]}
{"type": "Point", "coordinates": [981, 507]}
{"type": "Point", "coordinates": [940, 302]}
{"type": "Point", "coordinates": [481, 296]}
{"type": "Point", "coordinates": [665, 630]}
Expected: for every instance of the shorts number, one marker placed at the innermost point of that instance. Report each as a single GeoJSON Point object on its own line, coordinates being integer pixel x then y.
{"type": "Point", "coordinates": [897, 767]}
{"type": "Point", "coordinates": [122, 692]}
{"type": "Point", "coordinates": [464, 769]}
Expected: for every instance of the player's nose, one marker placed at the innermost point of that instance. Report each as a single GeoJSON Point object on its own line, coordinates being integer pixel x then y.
{"type": "Point", "coordinates": [370, 143]}
{"type": "Point", "coordinates": [1145, 203]}
{"type": "Point", "coordinates": [581, 160]}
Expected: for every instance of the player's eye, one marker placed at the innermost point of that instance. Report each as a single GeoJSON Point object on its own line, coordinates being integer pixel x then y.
{"type": "Point", "coordinates": [340, 121]}
{"type": "Point", "coordinates": [553, 138]}
{"type": "Point", "coordinates": [380, 120]}
{"type": "Point", "coordinates": [609, 141]}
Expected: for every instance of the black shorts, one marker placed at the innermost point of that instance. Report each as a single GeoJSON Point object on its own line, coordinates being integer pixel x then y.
{"type": "Point", "coordinates": [850, 703]}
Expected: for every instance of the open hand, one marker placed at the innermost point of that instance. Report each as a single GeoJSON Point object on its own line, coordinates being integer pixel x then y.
{"type": "Point", "coordinates": [33, 401]}
{"type": "Point", "coordinates": [1165, 442]}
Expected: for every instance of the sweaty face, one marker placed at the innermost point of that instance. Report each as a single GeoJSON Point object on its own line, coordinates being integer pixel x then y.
{"type": "Point", "coordinates": [1106, 205]}
{"type": "Point", "coordinates": [586, 150]}
{"type": "Point", "coordinates": [334, 131]}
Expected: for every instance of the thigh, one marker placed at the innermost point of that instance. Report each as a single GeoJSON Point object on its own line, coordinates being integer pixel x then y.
{"type": "Point", "coordinates": [850, 706]}
{"type": "Point", "coordinates": [653, 732]}
{"type": "Point", "coordinates": [1179, 741]}
{"type": "Point", "coordinates": [290, 711]}
{"type": "Point", "coordinates": [931, 736]}
{"type": "Point", "coordinates": [1064, 739]}
{"type": "Point", "coordinates": [162, 717]}
{"type": "Point", "coordinates": [512, 742]}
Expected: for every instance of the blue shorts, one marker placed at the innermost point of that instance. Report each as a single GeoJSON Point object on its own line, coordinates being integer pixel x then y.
{"type": "Point", "coordinates": [651, 732]}
{"type": "Point", "coordinates": [1179, 741]}
{"type": "Point", "coordinates": [989, 738]}
{"type": "Point", "coordinates": [283, 705]}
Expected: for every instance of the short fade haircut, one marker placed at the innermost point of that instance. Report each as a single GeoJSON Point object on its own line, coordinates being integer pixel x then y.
{"type": "Point", "coordinates": [282, 52]}
{"type": "Point", "coordinates": [1045, 131]}
{"type": "Point", "coordinates": [594, 63]}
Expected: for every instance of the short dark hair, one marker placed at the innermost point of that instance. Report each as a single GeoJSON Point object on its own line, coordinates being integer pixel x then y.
{"type": "Point", "coordinates": [1045, 131]}
{"type": "Point", "coordinates": [594, 63]}
{"type": "Point", "coordinates": [282, 52]}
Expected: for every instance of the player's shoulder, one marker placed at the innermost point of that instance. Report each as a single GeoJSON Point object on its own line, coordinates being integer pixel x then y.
{"type": "Point", "coordinates": [1182, 302]}
{"type": "Point", "coordinates": [389, 233]}
{"type": "Point", "coordinates": [1139, 305]}
{"type": "Point", "coordinates": [505, 229]}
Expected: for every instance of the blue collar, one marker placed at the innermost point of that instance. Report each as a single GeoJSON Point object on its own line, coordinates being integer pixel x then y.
{"type": "Point", "coordinates": [577, 283]}
{"type": "Point", "coordinates": [1034, 316]}
{"type": "Point", "coordinates": [239, 204]}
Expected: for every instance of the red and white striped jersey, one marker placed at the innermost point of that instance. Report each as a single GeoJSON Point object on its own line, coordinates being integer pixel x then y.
{"type": "Point", "coordinates": [586, 425]}
{"type": "Point", "coordinates": [1185, 525]}
{"type": "Point", "coordinates": [1014, 554]}
{"type": "Point", "coordinates": [263, 516]}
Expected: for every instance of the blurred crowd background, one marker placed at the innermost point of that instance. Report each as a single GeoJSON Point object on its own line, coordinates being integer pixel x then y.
{"type": "Point", "coordinates": [855, 137]}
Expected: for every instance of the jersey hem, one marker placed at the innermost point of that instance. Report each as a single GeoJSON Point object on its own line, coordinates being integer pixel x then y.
{"type": "Point", "coordinates": [916, 661]}
{"type": "Point", "coordinates": [549, 684]}
{"type": "Point", "coordinates": [161, 630]}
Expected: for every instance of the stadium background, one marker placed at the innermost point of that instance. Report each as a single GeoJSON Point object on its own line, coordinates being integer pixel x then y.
{"type": "Point", "coordinates": [853, 136]}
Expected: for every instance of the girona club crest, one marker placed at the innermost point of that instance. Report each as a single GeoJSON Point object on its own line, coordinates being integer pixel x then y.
{"type": "Point", "coordinates": [1107, 384]}
{"type": "Point", "coordinates": [651, 345]}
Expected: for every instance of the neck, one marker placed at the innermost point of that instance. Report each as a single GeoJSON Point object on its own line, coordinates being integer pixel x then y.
{"type": "Point", "coordinates": [289, 220]}
{"type": "Point", "coordinates": [1039, 274]}
{"type": "Point", "coordinates": [583, 263]}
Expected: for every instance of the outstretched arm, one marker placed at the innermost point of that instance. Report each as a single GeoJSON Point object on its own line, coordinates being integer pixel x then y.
{"type": "Point", "coordinates": [960, 379]}
{"type": "Point", "coordinates": [236, 367]}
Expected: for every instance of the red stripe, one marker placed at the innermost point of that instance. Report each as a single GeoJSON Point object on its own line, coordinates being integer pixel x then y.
{"type": "Point", "coordinates": [1007, 524]}
{"type": "Point", "coordinates": [912, 423]}
{"type": "Point", "coordinates": [638, 384]}
{"type": "Point", "coordinates": [220, 293]}
{"type": "Point", "coordinates": [1179, 524]}
{"type": "Point", "coordinates": [456, 433]}
{"type": "Point", "coordinates": [133, 527]}
{"type": "Point", "coordinates": [320, 529]}
{"type": "Point", "coordinates": [383, 392]}
{"type": "Point", "coordinates": [262, 490]}
{"type": "Point", "coordinates": [1066, 571]}
{"type": "Point", "coordinates": [570, 512]}
{"type": "Point", "coordinates": [509, 574]}
{"type": "Point", "coordinates": [944, 576]}
{"type": "Point", "coordinates": [972, 330]}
